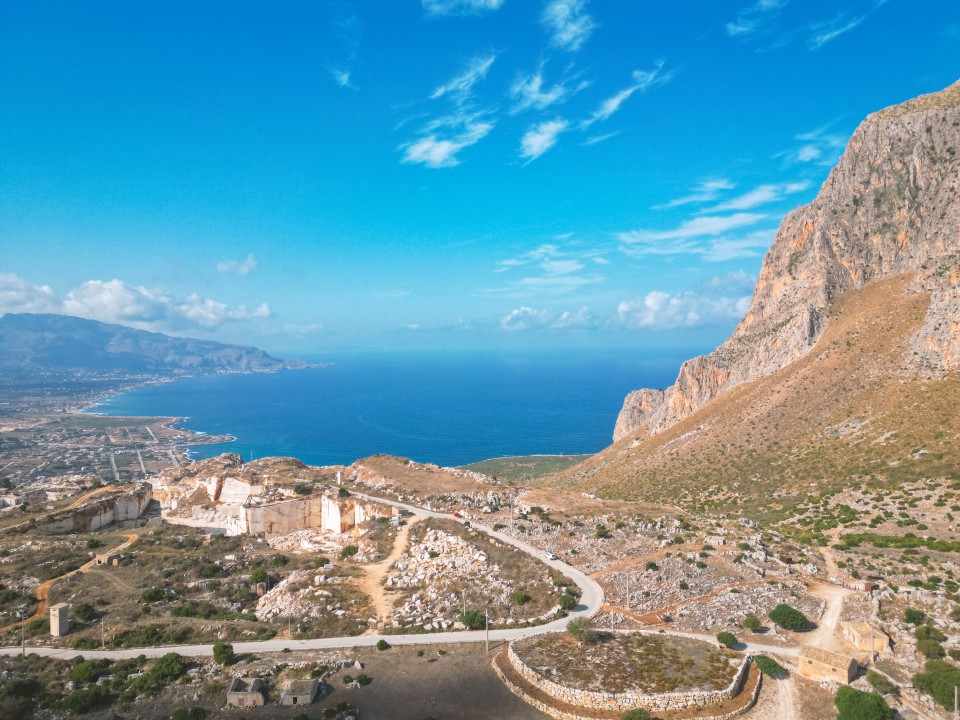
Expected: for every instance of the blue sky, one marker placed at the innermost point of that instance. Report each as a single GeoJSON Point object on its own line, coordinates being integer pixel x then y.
{"type": "Point", "coordinates": [320, 176]}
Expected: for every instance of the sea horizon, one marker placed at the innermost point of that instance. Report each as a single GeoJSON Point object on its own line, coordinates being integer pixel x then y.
{"type": "Point", "coordinates": [449, 409]}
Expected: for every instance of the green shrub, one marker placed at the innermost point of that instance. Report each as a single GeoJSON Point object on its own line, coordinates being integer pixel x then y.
{"type": "Point", "coordinates": [258, 575]}
{"type": "Point", "coordinates": [194, 713]}
{"type": "Point", "coordinates": [153, 595]}
{"type": "Point", "coordinates": [727, 639]}
{"type": "Point", "coordinates": [223, 652]}
{"type": "Point", "coordinates": [363, 680]}
{"type": "Point", "coordinates": [788, 617]}
{"type": "Point", "coordinates": [938, 680]}
{"type": "Point", "coordinates": [928, 632]}
{"type": "Point", "coordinates": [567, 602]}
{"type": "Point", "coordinates": [751, 622]}
{"type": "Point", "coordinates": [602, 532]}
{"type": "Point", "coordinates": [930, 649]}
{"type": "Point", "coordinates": [87, 699]}
{"type": "Point", "coordinates": [635, 714]}
{"type": "Point", "coordinates": [383, 645]}
{"type": "Point", "coordinates": [349, 551]}
{"type": "Point", "coordinates": [279, 561]}
{"type": "Point", "coordinates": [473, 619]}
{"type": "Point", "coordinates": [169, 667]}
{"type": "Point", "coordinates": [581, 629]}
{"type": "Point", "coordinates": [768, 666]}
{"type": "Point", "coordinates": [651, 565]}
{"type": "Point", "coordinates": [520, 597]}
{"type": "Point", "coordinates": [88, 671]}
{"type": "Point", "coordinates": [84, 612]}
{"type": "Point", "coordinates": [880, 683]}
{"type": "Point", "coordinates": [858, 705]}
{"type": "Point", "coordinates": [343, 492]}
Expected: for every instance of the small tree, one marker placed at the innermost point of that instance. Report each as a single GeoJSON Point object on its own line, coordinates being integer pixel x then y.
{"type": "Point", "coordinates": [222, 652]}
{"type": "Point", "coordinates": [279, 561]}
{"type": "Point", "coordinates": [349, 551]}
{"type": "Point", "coordinates": [258, 575]}
{"type": "Point", "coordinates": [727, 639]}
{"type": "Point", "coordinates": [914, 617]}
{"type": "Point", "coordinates": [581, 629]}
{"type": "Point", "coordinates": [382, 645]}
{"type": "Point", "coordinates": [473, 619]}
{"type": "Point", "coordinates": [567, 602]}
{"type": "Point", "coordinates": [169, 667]}
{"type": "Point", "coordinates": [788, 617]}
{"type": "Point", "coordinates": [855, 704]}
{"type": "Point", "coordinates": [751, 622]}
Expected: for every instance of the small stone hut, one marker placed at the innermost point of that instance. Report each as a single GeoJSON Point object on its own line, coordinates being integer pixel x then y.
{"type": "Point", "coordinates": [300, 692]}
{"type": "Point", "coordinates": [819, 665]}
{"type": "Point", "coordinates": [865, 637]}
{"type": "Point", "coordinates": [244, 692]}
{"type": "Point", "coordinates": [59, 619]}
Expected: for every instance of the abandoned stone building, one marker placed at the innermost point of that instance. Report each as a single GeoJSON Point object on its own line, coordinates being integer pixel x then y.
{"type": "Point", "coordinates": [819, 665]}
{"type": "Point", "coordinates": [246, 692]}
{"type": "Point", "coordinates": [300, 692]}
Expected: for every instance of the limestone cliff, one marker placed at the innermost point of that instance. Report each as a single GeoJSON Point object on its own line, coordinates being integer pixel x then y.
{"type": "Point", "coordinates": [890, 206]}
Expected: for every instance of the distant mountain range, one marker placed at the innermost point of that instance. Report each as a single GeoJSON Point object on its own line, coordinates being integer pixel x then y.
{"type": "Point", "coordinates": [64, 344]}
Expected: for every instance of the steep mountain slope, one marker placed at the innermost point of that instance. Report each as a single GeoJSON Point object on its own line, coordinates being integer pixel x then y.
{"type": "Point", "coordinates": [846, 367]}
{"type": "Point", "coordinates": [890, 206]}
{"type": "Point", "coordinates": [60, 343]}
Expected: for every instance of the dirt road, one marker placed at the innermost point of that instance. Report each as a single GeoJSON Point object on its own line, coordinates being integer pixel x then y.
{"type": "Point", "coordinates": [371, 583]}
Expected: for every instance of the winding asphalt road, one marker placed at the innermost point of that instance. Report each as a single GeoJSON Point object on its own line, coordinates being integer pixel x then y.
{"type": "Point", "coordinates": [591, 599]}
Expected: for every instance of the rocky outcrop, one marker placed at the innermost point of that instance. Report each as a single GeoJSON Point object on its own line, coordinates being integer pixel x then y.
{"type": "Point", "coordinates": [889, 207]}
{"type": "Point", "coordinates": [116, 508]}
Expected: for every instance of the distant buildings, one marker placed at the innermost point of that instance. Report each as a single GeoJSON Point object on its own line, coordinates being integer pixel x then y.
{"type": "Point", "coordinates": [819, 665]}
{"type": "Point", "coordinates": [865, 637]}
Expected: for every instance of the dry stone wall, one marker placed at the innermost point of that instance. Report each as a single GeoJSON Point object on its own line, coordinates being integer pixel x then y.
{"type": "Point", "coordinates": [619, 702]}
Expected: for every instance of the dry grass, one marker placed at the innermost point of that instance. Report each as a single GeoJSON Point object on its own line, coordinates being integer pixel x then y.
{"type": "Point", "coordinates": [623, 662]}
{"type": "Point", "coordinates": [847, 413]}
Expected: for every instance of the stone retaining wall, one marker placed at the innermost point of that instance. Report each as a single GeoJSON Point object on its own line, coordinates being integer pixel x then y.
{"type": "Point", "coordinates": [563, 715]}
{"type": "Point", "coordinates": [659, 702]}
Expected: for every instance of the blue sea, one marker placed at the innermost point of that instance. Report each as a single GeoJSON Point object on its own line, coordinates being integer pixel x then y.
{"type": "Point", "coordinates": [448, 409]}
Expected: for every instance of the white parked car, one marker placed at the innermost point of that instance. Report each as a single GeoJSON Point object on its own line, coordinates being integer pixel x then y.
{"type": "Point", "coordinates": [550, 555]}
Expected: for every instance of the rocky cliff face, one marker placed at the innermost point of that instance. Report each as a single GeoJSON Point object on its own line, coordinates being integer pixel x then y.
{"type": "Point", "coordinates": [890, 206]}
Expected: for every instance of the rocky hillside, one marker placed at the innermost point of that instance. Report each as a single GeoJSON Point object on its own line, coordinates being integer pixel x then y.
{"type": "Point", "coordinates": [891, 206]}
{"type": "Point", "coordinates": [60, 343]}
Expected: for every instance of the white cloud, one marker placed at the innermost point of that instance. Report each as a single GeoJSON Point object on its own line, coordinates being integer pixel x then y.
{"type": "Point", "coordinates": [760, 195]}
{"type": "Point", "coordinates": [238, 267]}
{"type": "Point", "coordinates": [19, 296]}
{"type": "Point", "coordinates": [702, 226]}
{"type": "Point", "coordinates": [569, 26]}
{"type": "Point", "coordinates": [439, 152]}
{"type": "Point", "coordinates": [643, 80]}
{"type": "Point", "coordinates": [527, 318]}
{"type": "Point", "coordinates": [707, 191]}
{"type": "Point", "coordinates": [658, 309]}
{"type": "Point", "coordinates": [523, 318]}
{"type": "Point", "coordinates": [754, 18]}
{"type": "Point", "coordinates": [114, 301]}
{"type": "Point", "coordinates": [461, 86]}
{"type": "Point", "coordinates": [341, 77]}
{"type": "Point", "coordinates": [596, 139]}
{"type": "Point", "coordinates": [750, 245]}
{"type": "Point", "coordinates": [529, 92]}
{"type": "Point", "coordinates": [739, 281]}
{"type": "Point", "coordinates": [460, 7]}
{"type": "Point", "coordinates": [541, 137]}
{"type": "Point", "coordinates": [823, 32]}
{"type": "Point", "coordinates": [820, 146]}
{"type": "Point", "coordinates": [561, 267]}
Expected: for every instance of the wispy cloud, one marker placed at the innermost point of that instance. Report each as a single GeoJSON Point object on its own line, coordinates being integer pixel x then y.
{"type": "Point", "coordinates": [823, 32]}
{"type": "Point", "coordinates": [597, 139]}
{"type": "Point", "coordinates": [441, 139]}
{"type": "Point", "coordinates": [550, 268]}
{"type": "Point", "coordinates": [115, 301]}
{"type": "Point", "coordinates": [760, 195]}
{"type": "Point", "coordinates": [531, 92]}
{"type": "Point", "coordinates": [460, 7]}
{"type": "Point", "coordinates": [569, 25]}
{"type": "Point", "coordinates": [822, 146]}
{"type": "Point", "coordinates": [642, 81]}
{"type": "Point", "coordinates": [341, 77]}
{"type": "Point", "coordinates": [706, 191]}
{"type": "Point", "coordinates": [435, 151]}
{"type": "Point", "coordinates": [238, 267]}
{"type": "Point", "coordinates": [541, 137]}
{"type": "Point", "coordinates": [754, 18]}
{"type": "Point", "coordinates": [460, 87]}
{"type": "Point", "coordinates": [703, 226]}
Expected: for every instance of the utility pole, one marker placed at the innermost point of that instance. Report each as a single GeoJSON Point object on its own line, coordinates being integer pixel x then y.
{"type": "Point", "coordinates": [23, 633]}
{"type": "Point", "coordinates": [103, 635]}
{"type": "Point", "coordinates": [290, 626]}
{"type": "Point", "coordinates": [628, 589]}
{"type": "Point", "coordinates": [488, 629]}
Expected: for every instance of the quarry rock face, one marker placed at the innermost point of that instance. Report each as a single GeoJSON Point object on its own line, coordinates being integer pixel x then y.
{"type": "Point", "coordinates": [890, 206]}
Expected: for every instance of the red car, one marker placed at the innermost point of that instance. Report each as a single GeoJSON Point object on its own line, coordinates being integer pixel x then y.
{"type": "Point", "coordinates": [457, 515]}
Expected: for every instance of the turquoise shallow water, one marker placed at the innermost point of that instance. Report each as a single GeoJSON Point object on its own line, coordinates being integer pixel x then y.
{"type": "Point", "coordinates": [445, 409]}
